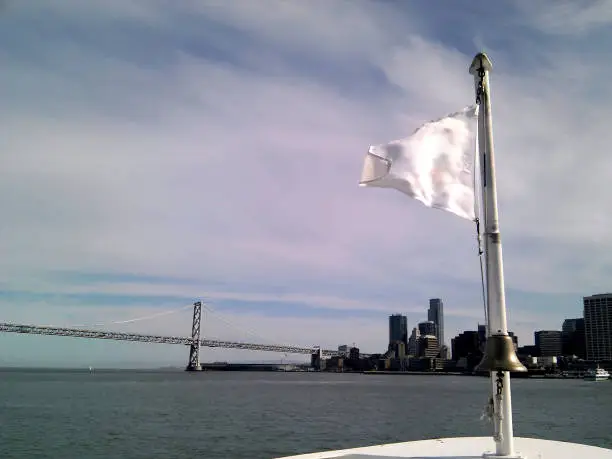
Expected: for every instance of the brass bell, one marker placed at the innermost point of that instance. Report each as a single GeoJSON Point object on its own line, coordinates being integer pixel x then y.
{"type": "Point", "coordinates": [499, 355]}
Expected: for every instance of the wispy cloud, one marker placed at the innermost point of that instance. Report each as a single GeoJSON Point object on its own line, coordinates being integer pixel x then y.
{"type": "Point", "coordinates": [214, 151]}
{"type": "Point", "coordinates": [566, 17]}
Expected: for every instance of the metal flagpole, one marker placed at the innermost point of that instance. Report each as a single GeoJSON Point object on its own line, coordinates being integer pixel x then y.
{"type": "Point", "coordinates": [497, 330]}
{"type": "Point", "coordinates": [482, 148]}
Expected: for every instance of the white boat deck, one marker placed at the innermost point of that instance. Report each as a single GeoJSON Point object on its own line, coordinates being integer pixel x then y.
{"type": "Point", "coordinates": [465, 448]}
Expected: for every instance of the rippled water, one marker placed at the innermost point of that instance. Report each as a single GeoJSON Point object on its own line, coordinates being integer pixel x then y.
{"type": "Point", "coordinates": [129, 414]}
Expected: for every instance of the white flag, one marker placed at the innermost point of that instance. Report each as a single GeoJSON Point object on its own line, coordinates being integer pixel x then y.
{"type": "Point", "coordinates": [435, 165]}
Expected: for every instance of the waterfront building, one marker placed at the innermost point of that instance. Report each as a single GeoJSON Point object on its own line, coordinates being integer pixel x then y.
{"type": "Point", "coordinates": [548, 343]}
{"type": "Point", "coordinates": [598, 326]}
{"type": "Point", "coordinates": [572, 337]}
{"type": "Point", "coordinates": [465, 344]}
{"type": "Point", "coordinates": [343, 350]}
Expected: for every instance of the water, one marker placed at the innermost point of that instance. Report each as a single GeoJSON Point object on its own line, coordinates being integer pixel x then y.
{"type": "Point", "coordinates": [214, 415]}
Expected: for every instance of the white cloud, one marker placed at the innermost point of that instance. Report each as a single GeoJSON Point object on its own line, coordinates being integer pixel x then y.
{"type": "Point", "coordinates": [341, 303]}
{"type": "Point", "coordinates": [566, 17]}
{"type": "Point", "coordinates": [344, 29]}
{"type": "Point", "coordinates": [188, 166]}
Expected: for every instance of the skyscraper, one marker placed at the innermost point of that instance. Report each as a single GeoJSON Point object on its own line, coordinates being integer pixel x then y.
{"type": "Point", "coordinates": [398, 329]}
{"type": "Point", "coordinates": [436, 315]}
{"type": "Point", "coordinates": [598, 326]}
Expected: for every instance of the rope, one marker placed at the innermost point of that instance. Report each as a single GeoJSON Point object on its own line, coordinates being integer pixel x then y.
{"type": "Point", "coordinates": [477, 222]}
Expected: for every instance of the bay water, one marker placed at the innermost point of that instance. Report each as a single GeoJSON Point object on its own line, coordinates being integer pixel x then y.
{"type": "Point", "coordinates": [235, 415]}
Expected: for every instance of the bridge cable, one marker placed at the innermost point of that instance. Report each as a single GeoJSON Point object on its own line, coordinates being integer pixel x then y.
{"type": "Point", "coordinates": [119, 322]}
{"type": "Point", "coordinates": [215, 313]}
{"type": "Point", "coordinates": [218, 315]}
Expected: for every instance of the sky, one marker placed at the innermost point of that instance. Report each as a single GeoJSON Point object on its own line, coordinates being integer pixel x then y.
{"type": "Point", "coordinates": [155, 153]}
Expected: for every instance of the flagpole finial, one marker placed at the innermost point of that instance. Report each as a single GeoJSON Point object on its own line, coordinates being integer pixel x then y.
{"type": "Point", "coordinates": [481, 61]}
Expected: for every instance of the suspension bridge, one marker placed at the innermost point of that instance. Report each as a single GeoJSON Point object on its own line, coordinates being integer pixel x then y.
{"type": "Point", "coordinates": [194, 341]}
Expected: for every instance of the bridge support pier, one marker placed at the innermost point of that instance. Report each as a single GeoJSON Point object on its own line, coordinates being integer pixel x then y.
{"type": "Point", "coordinates": [194, 348]}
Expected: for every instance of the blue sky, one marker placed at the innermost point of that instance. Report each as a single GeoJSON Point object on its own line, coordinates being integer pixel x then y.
{"type": "Point", "coordinates": [154, 153]}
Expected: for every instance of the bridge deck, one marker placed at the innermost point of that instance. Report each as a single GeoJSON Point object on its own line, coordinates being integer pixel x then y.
{"type": "Point", "coordinates": [137, 337]}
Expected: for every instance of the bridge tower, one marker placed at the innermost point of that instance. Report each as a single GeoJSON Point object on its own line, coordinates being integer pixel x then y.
{"type": "Point", "coordinates": [194, 348]}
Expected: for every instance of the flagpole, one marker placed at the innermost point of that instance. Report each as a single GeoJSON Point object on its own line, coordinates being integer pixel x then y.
{"type": "Point", "coordinates": [496, 302]}
{"type": "Point", "coordinates": [482, 148]}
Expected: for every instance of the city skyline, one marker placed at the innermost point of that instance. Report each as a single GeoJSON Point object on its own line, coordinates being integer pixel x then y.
{"type": "Point", "coordinates": [547, 342]}
{"type": "Point", "coordinates": [588, 337]}
{"type": "Point", "coordinates": [157, 153]}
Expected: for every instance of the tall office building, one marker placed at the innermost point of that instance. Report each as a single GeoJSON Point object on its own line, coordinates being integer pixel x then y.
{"type": "Point", "coordinates": [436, 315]}
{"type": "Point", "coordinates": [548, 343]}
{"type": "Point", "coordinates": [398, 329]}
{"type": "Point", "coordinates": [598, 326]}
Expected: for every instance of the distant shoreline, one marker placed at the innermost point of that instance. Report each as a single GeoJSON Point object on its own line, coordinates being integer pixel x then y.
{"type": "Point", "coordinates": [264, 368]}
{"type": "Point", "coordinates": [527, 375]}
{"type": "Point", "coordinates": [417, 373]}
